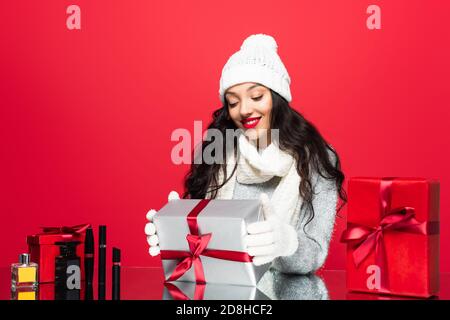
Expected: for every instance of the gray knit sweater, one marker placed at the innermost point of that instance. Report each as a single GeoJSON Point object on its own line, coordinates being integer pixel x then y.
{"type": "Point", "coordinates": [313, 245]}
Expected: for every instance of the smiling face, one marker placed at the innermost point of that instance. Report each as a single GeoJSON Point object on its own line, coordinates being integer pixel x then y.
{"type": "Point", "coordinates": [250, 107]}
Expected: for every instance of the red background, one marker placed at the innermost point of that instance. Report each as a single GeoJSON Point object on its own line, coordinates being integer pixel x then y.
{"type": "Point", "coordinates": [86, 116]}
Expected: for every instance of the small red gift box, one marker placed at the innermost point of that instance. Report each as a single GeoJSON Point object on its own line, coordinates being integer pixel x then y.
{"type": "Point", "coordinates": [393, 236]}
{"type": "Point", "coordinates": [43, 250]}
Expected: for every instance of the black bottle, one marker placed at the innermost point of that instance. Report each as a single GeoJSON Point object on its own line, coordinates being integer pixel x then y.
{"type": "Point", "coordinates": [67, 272]}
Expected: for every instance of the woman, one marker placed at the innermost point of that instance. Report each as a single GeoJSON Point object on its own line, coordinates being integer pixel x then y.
{"type": "Point", "coordinates": [281, 159]}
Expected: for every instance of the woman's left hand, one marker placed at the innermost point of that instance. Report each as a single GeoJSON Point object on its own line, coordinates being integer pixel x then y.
{"type": "Point", "coordinates": [271, 238]}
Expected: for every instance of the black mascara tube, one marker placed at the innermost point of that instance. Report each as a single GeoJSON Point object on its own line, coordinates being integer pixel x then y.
{"type": "Point", "coordinates": [116, 274]}
{"type": "Point", "coordinates": [102, 263]}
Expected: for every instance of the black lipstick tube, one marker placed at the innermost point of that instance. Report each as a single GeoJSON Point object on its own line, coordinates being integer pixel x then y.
{"type": "Point", "coordinates": [89, 256]}
{"type": "Point", "coordinates": [102, 263]}
{"type": "Point", "coordinates": [89, 262]}
{"type": "Point", "coordinates": [116, 274]}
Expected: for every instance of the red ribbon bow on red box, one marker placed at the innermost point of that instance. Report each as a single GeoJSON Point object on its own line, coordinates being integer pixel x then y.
{"type": "Point", "coordinates": [197, 247]}
{"type": "Point", "coordinates": [367, 239]}
{"type": "Point", "coordinates": [80, 228]}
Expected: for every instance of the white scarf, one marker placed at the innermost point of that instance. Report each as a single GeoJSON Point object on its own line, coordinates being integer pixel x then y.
{"type": "Point", "coordinates": [255, 167]}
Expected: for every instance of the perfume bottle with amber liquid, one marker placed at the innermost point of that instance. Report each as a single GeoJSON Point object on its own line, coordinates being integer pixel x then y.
{"type": "Point", "coordinates": [24, 273]}
{"type": "Point", "coordinates": [24, 279]}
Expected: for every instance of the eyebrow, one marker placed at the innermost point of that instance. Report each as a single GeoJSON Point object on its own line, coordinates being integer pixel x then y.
{"type": "Point", "coordinates": [248, 89]}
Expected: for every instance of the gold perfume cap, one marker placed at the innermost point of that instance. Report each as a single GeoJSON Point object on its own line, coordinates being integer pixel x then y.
{"type": "Point", "coordinates": [24, 258]}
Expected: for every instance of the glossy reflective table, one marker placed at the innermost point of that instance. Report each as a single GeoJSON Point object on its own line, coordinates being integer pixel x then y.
{"type": "Point", "coordinates": [148, 284]}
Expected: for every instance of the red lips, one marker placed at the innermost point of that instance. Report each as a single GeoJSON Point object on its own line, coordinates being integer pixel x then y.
{"type": "Point", "coordinates": [249, 123]}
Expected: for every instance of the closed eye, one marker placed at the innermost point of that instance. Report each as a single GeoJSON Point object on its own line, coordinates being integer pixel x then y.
{"type": "Point", "coordinates": [257, 98]}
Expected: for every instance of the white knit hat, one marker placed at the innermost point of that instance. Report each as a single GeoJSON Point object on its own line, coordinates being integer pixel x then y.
{"type": "Point", "coordinates": [257, 61]}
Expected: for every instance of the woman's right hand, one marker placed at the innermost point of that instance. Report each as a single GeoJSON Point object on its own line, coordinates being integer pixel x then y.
{"type": "Point", "coordinates": [150, 228]}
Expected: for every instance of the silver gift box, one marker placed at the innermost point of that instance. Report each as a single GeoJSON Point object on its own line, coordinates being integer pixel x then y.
{"type": "Point", "coordinates": [214, 291]}
{"type": "Point", "coordinates": [226, 220]}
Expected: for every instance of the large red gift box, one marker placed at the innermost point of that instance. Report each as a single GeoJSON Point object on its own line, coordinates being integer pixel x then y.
{"type": "Point", "coordinates": [393, 236]}
{"type": "Point", "coordinates": [43, 250]}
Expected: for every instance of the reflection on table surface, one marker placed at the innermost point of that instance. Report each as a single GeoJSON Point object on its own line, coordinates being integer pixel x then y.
{"type": "Point", "coordinates": [281, 286]}
{"type": "Point", "coordinates": [147, 283]}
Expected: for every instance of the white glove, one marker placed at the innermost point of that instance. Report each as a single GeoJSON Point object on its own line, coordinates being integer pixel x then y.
{"type": "Point", "coordinates": [150, 228]}
{"type": "Point", "coordinates": [270, 238]}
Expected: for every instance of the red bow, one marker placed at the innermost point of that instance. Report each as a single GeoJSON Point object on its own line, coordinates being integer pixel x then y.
{"type": "Point", "coordinates": [78, 229]}
{"type": "Point", "coordinates": [367, 239]}
{"type": "Point", "coordinates": [197, 246]}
